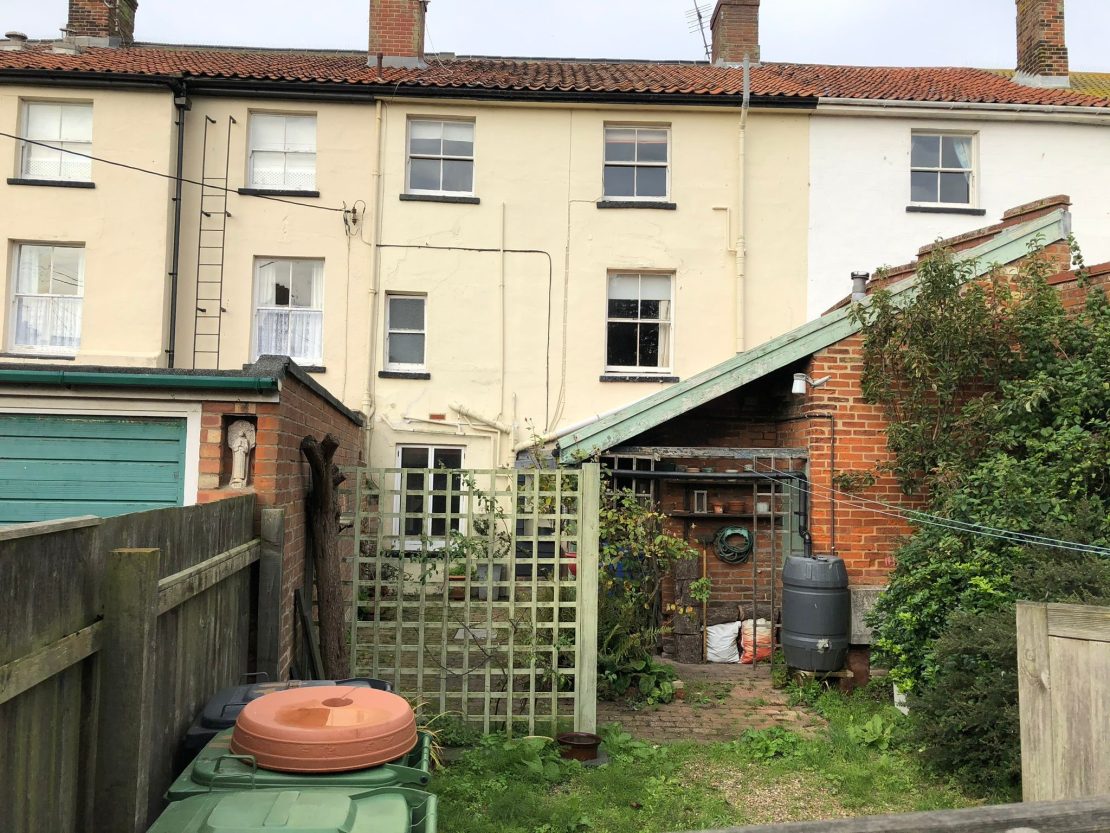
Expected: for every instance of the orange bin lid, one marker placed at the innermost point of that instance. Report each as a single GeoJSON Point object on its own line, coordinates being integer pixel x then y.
{"type": "Point", "coordinates": [325, 729]}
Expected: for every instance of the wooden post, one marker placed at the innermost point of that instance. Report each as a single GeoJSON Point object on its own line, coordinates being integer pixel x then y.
{"type": "Point", "coordinates": [270, 602]}
{"type": "Point", "coordinates": [1035, 703]}
{"type": "Point", "coordinates": [589, 509]}
{"type": "Point", "coordinates": [127, 690]}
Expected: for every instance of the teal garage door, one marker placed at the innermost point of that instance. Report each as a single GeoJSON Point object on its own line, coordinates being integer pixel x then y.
{"type": "Point", "coordinates": [55, 466]}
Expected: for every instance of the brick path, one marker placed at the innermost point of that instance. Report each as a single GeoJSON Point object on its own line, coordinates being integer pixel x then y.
{"type": "Point", "coordinates": [721, 702]}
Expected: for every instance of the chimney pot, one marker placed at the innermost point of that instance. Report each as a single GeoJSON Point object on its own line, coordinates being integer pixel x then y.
{"type": "Point", "coordinates": [1042, 49]}
{"type": "Point", "coordinates": [859, 285]}
{"type": "Point", "coordinates": [735, 27]}
{"type": "Point", "coordinates": [397, 32]}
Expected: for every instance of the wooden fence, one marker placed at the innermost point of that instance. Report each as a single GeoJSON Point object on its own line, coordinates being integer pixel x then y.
{"type": "Point", "coordinates": [113, 633]}
{"type": "Point", "coordinates": [1086, 816]}
{"type": "Point", "coordinates": [1064, 690]}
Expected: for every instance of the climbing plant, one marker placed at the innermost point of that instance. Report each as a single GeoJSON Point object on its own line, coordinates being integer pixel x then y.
{"type": "Point", "coordinates": [636, 554]}
{"type": "Point", "coordinates": [998, 403]}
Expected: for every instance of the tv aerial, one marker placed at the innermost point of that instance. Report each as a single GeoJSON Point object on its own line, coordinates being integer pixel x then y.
{"type": "Point", "coordinates": [697, 21]}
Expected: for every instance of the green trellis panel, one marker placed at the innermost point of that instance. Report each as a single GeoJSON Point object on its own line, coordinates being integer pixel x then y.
{"type": "Point", "coordinates": [511, 642]}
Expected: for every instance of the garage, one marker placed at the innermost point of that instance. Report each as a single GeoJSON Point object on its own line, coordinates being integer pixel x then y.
{"type": "Point", "coordinates": [62, 465]}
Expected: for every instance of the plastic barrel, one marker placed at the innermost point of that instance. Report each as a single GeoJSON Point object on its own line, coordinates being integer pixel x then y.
{"type": "Point", "coordinates": [816, 613]}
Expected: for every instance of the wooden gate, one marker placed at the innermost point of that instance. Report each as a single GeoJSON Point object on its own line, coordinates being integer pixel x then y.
{"type": "Point", "coordinates": [475, 592]}
{"type": "Point", "coordinates": [1064, 691]}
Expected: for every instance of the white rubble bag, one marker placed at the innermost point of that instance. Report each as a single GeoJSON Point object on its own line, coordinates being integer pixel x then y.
{"type": "Point", "coordinates": [722, 642]}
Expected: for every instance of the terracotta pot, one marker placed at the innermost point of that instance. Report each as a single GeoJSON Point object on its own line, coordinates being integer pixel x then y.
{"type": "Point", "coordinates": [456, 590]}
{"type": "Point", "coordinates": [325, 729]}
{"type": "Point", "coordinates": [735, 507]}
{"type": "Point", "coordinates": [579, 746]}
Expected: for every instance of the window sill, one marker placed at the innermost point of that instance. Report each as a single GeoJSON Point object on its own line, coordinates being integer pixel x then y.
{"type": "Point", "coordinates": [632, 377]}
{"type": "Point", "coordinates": [46, 357]}
{"type": "Point", "coordinates": [51, 183]}
{"type": "Point", "coordinates": [276, 192]}
{"type": "Point", "coordinates": [403, 374]}
{"type": "Point", "coordinates": [658, 205]}
{"type": "Point", "coordinates": [440, 198]}
{"type": "Point", "coordinates": [944, 209]}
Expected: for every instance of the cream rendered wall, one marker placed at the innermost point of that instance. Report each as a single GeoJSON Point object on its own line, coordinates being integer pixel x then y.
{"type": "Point", "coordinates": [260, 228]}
{"type": "Point", "coordinates": [860, 169]}
{"type": "Point", "coordinates": [541, 169]}
{"type": "Point", "coordinates": [123, 222]}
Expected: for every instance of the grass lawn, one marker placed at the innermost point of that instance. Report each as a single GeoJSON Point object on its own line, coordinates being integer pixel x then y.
{"type": "Point", "coordinates": [856, 766]}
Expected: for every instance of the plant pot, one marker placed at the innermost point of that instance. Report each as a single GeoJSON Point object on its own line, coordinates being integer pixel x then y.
{"type": "Point", "coordinates": [735, 507]}
{"type": "Point", "coordinates": [456, 590]}
{"type": "Point", "coordinates": [578, 746]}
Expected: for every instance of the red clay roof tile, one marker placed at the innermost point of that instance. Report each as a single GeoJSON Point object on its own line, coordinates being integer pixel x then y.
{"type": "Point", "coordinates": [945, 84]}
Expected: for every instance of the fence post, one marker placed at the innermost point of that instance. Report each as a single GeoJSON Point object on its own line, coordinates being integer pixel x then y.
{"type": "Point", "coordinates": [589, 509]}
{"type": "Point", "coordinates": [268, 645]}
{"type": "Point", "coordinates": [127, 689]}
{"type": "Point", "coordinates": [1035, 703]}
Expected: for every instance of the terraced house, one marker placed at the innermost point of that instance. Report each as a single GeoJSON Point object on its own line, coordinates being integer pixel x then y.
{"type": "Point", "coordinates": [480, 254]}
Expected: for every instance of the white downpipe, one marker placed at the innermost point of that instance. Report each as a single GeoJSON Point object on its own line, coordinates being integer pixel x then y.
{"type": "Point", "coordinates": [502, 323]}
{"type": "Point", "coordinates": [741, 214]}
{"type": "Point", "coordinates": [369, 406]}
{"type": "Point", "coordinates": [496, 424]}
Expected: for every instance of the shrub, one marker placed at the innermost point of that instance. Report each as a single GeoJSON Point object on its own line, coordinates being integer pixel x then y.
{"type": "Point", "coordinates": [966, 720]}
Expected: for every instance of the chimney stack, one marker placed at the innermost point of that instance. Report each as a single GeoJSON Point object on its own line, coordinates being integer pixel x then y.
{"type": "Point", "coordinates": [735, 28]}
{"type": "Point", "coordinates": [102, 22]}
{"type": "Point", "coordinates": [397, 32]}
{"type": "Point", "coordinates": [1042, 51]}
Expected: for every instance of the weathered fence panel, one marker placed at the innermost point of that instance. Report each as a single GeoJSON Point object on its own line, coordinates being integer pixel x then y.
{"type": "Point", "coordinates": [475, 592]}
{"type": "Point", "coordinates": [1085, 816]}
{"type": "Point", "coordinates": [1064, 693]}
{"type": "Point", "coordinates": [112, 635]}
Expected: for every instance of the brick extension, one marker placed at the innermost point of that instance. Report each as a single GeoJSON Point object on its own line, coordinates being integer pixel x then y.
{"type": "Point", "coordinates": [279, 475]}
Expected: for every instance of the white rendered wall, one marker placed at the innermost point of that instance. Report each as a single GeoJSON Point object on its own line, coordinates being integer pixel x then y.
{"type": "Point", "coordinates": [860, 183]}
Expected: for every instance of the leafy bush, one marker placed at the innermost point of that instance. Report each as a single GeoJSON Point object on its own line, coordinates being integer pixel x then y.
{"type": "Point", "coordinates": [768, 744]}
{"type": "Point", "coordinates": [875, 732]}
{"type": "Point", "coordinates": [636, 554]}
{"type": "Point", "coordinates": [966, 720]}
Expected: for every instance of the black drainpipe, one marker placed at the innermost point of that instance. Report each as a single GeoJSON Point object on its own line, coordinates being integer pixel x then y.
{"type": "Point", "coordinates": [181, 102]}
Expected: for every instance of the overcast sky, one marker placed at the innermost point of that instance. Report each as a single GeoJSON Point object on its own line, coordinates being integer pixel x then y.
{"type": "Point", "coordinates": [873, 32]}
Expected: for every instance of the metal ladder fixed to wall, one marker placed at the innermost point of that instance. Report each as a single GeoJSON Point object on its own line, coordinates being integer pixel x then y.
{"type": "Point", "coordinates": [211, 237]}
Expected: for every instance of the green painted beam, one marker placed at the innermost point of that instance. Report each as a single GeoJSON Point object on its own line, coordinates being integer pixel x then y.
{"type": "Point", "coordinates": [92, 378]}
{"type": "Point", "coordinates": [1005, 247]}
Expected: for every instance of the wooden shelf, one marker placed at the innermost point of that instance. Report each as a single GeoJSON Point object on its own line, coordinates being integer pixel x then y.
{"type": "Point", "coordinates": [726, 516]}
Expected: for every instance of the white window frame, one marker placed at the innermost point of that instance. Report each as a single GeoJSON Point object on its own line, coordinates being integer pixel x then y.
{"type": "Point", "coordinates": [13, 327]}
{"type": "Point", "coordinates": [660, 370]}
{"type": "Point", "coordinates": [84, 146]}
{"type": "Point", "coordinates": [416, 543]}
{"type": "Point", "coordinates": [605, 163]}
{"type": "Point", "coordinates": [390, 329]}
{"type": "Point", "coordinates": [973, 183]}
{"type": "Point", "coordinates": [317, 277]}
{"type": "Point", "coordinates": [409, 156]}
{"type": "Point", "coordinates": [252, 149]}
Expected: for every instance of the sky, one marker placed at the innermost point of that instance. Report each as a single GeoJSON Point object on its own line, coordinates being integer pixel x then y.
{"type": "Point", "coordinates": [873, 32]}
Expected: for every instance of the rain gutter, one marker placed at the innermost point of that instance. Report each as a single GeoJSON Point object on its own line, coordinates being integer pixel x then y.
{"type": "Point", "coordinates": [85, 378]}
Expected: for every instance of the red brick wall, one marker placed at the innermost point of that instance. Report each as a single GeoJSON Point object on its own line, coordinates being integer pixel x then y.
{"type": "Point", "coordinates": [397, 28]}
{"type": "Point", "coordinates": [96, 19]}
{"type": "Point", "coordinates": [279, 475]}
{"type": "Point", "coordinates": [1041, 44]}
{"type": "Point", "coordinates": [735, 27]}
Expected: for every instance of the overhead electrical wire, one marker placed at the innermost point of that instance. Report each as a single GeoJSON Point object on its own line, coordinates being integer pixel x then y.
{"type": "Point", "coordinates": [171, 177]}
{"type": "Point", "coordinates": [926, 519]}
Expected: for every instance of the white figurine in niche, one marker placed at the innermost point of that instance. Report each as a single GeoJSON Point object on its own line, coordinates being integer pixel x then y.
{"type": "Point", "coordinates": [240, 439]}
